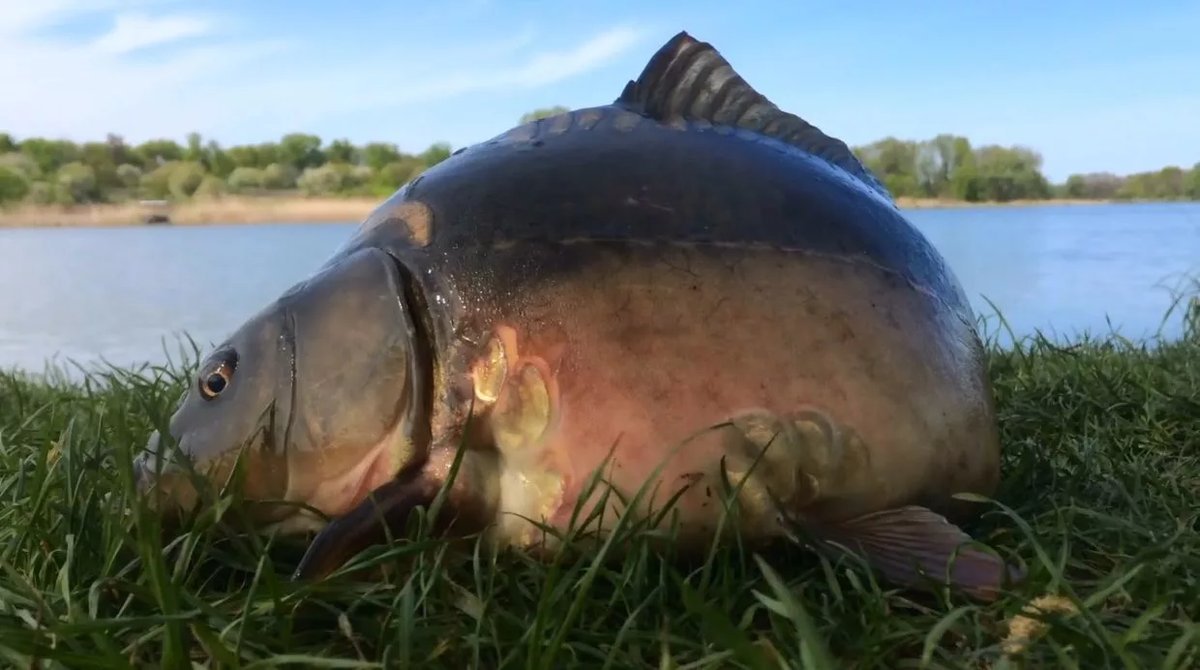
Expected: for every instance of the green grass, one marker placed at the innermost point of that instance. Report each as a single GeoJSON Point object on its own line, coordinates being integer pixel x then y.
{"type": "Point", "coordinates": [1100, 499]}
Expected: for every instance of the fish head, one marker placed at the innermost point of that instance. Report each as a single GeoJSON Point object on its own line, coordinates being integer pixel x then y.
{"type": "Point", "coordinates": [312, 402]}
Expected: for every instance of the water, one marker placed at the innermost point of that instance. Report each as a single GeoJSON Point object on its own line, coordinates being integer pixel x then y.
{"type": "Point", "coordinates": [121, 294]}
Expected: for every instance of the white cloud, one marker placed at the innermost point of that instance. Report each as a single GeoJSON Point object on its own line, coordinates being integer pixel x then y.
{"type": "Point", "coordinates": [213, 79]}
{"type": "Point", "coordinates": [540, 69]}
{"type": "Point", "coordinates": [136, 31]}
{"type": "Point", "coordinates": [345, 91]}
{"type": "Point", "coordinates": [83, 88]}
{"type": "Point", "coordinates": [549, 68]}
{"type": "Point", "coordinates": [19, 18]}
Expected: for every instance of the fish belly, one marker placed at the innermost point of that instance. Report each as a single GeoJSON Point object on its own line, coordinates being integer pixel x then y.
{"type": "Point", "coordinates": [671, 369]}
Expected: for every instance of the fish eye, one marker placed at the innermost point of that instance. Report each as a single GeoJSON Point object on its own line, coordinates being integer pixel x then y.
{"type": "Point", "coordinates": [216, 379]}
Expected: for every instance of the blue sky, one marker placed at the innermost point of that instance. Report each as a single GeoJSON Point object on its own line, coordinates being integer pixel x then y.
{"type": "Point", "coordinates": [1092, 85]}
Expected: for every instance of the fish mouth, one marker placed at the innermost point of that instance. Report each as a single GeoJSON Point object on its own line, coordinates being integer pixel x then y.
{"type": "Point", "coordinates": [165, 487]}
{"type": "Point", "coordinates": [143, 477]}
{"type": "Point", "coordinates": [150, 467]}
{"type": "Point", "coordinates": [169, 487]}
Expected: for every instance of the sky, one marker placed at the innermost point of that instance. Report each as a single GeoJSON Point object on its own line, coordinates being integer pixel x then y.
{"type": "Point", "coordinates": [1093, 86]}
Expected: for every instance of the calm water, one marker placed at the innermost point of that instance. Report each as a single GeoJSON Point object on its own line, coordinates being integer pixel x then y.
{"type": "Point", "coordinates": [124, 294]}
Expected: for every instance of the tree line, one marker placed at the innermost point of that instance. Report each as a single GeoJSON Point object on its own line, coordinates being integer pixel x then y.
{"type": "Point", "coordinates": [948, 166]}
{"type": "Point", "coordinates": [54, 171]}
{"type": "Point", "coordinates": [46, 171]}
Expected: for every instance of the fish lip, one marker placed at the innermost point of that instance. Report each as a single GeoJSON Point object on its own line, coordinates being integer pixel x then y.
{"type": "Point", "coordinates": [144, 478]}
{"type": "Point", "coordinates": [157, 488]}
{"type": "Point", "coordinates": [141, 474]}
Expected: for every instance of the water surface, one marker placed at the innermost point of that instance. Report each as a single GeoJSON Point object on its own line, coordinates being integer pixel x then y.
{"type": "Point", "coordinates": [117, 293]}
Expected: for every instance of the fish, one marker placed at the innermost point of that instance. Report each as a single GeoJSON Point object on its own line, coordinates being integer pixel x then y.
{"type": "Point", "coordinates": [688, 297]}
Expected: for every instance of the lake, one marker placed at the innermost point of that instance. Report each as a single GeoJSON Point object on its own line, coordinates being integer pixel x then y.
{"type": "Point", "coordinates": [122, 294]}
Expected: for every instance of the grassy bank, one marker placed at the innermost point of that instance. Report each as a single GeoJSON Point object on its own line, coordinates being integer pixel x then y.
{"type": "Point", "coordinates": [295, 208]}
{"type": "Point", "coordinates": [1102, 476]}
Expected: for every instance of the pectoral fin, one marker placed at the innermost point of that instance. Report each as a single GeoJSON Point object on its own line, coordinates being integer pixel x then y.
{"type": "Point", "coordinates": [912, 545]}
{"type": "Point", "coordinates": [385, 510]}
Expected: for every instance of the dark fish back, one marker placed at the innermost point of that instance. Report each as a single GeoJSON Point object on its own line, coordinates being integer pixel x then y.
{"type": "Point", "coordinates": [609, 175]}
{"type": "Point", "coordinates": [688, 154]}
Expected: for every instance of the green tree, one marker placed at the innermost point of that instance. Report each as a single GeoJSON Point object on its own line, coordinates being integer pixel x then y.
{"type": "Point", "coordinates": [217, 160]}
{"type": "Point", "coordinates": [1093, 185]}
{"type": "Point", "coordinates": [356, 176]}
{"type": "Point", "coordinates": [21, 163]}
{"type": "Point", "coordinates": [194, 151]}
{"type": "Point", "coordinates": [243, 157]}
{"type": "Point", "coordinates": [130, 175]}
{"type": "Point", "coordinates": [1170, 183]}
{"type": "Point", "coordinates": [77, 181]}
{"type": "Point", "coordinates": [395, 174]}
{"type": "Point", "coordinates": [542, 113]}
{"type": "Point", "coordinates": [435, 154]}
{"type": "Point", "coordinates": [945, 165]}
{"type": "Point", "coordinates": [324, 180]}
{"type": "Point", "coordinates": [280, 176]}
{"type": "Point", "coordinates": [211, 187]}
{"type": "Point", "coordinates": [119, 151]}
{"type": "Point", "coordinates": [930, 171]}
{"type": "Point", "coordinates": [155, 183]}
{"type": "Point", "coordinates": [1002, 174]}
{"type": "Point", "coordinates": [184, 178]}
{"type": "Point", "coordinates": [300, 150]}
{"type": "Point", "coordinates": [378, 154]}
{"type": "Point", "coordinates": [14, 185]}
{"type": "Point", "coordinates": [49, 155]}
{"type": "Point", "coordinates": [965, 183]}
{"type": "Point", "coordinates": [1075, 187]}
{"type": "Point", "coordinates": [341, 151]}
{"type": "Point", "coordinates": [153, 153]}
{"type": "Point", "coordinates": [267, 153]}
{"type": "Point", "coordinates": [1193, 182]}
{"type": "Point", "coordinates": [40, 193]}
{"type": "Point", "coordinates": [245, 179]}
{"type": "Point", "coordinates": [99, 156]}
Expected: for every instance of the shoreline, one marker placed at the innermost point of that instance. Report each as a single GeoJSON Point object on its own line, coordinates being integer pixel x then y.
{"type": "Point", "coordinates": [300, 209]}
{"type": "Point", "coordinates": [221, 211]}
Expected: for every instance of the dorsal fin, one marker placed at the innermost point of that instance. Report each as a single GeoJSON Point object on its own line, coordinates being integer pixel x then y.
{"type": "Point", "coordinates": [689, 79]}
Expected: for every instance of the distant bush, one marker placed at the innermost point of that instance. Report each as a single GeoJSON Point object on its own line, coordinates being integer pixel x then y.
{"type": "Point", "coordinates": [155, 183]}
{"type": "Point", "coordinates": [544, 113]}
{"type": "Point", "coordinates": [185, 178]}
{"type": "Point", "coordinates": [324, 180]}
{"type": "Point", "coordinates": [944, 166]}
{"type": "Point", "coordinates": [130, 175]}
{"type": "Point", "coordinates": [14, 186]}
{"type": "Point", "coordinates": [21, 164]}
{"type": "Point", "coordinates": [245, 179]}
{"type": "Point", "coordinates": [210, 187]}
{"type": "Point", "coordinates": [356, 176]}
{"type": "Point", "coordinates": [77, 183]}
{"type": "Point", "coordinates": [279, 176]}
{"type": "Point", "coordinates": [40, 193]}
{"type": "Point", "coordinates": [435, 154]}
{"type": "Point", "coordinates": [395, 174]}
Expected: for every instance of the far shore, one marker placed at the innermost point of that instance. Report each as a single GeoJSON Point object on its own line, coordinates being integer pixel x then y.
{"type": "Point", "coordinates": [298, 209]}
{"type": "Point", "coordinates": [224, 210]}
